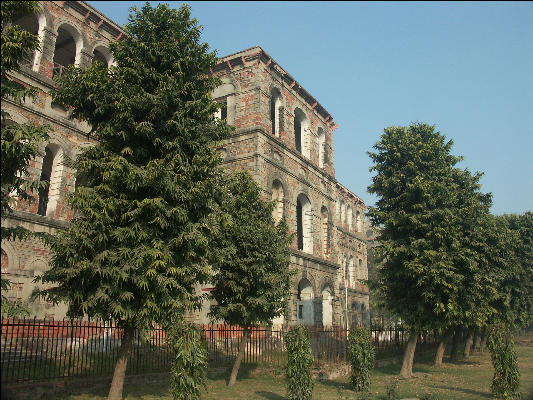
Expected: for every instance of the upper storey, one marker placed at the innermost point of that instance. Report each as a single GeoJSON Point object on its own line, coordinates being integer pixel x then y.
{"type": "Point", "coordinates": [260, 94]}
{"type": "Point", "coordinates": [70, 32]}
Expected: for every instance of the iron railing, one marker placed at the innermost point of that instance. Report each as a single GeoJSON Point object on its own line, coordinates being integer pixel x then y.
{"type": "Point", "coordinates": [34, 350]}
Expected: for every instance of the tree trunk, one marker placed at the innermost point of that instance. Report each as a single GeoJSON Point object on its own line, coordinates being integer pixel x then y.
{"type": "Point", "coordinates": [454, 356]}
{"type": "Point", "coordinates": [469, 342]}
{"type": "Point", "coordinates": [237, 363]}
{"type": "Point", "coordinates": [409, 355]}
{"type": "Point", "coordinates": [115, 392]}
{"type": "Point", "coordinates": [442, 348]}
{"type": "Point", "coordinates": [483, 340]}
{"type": "Point", "coordinates": [477, 340]}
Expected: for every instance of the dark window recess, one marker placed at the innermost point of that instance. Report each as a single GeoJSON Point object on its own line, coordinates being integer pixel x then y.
{"type": "Point", "coordinates": [273, 114]}
{"type": "Point", "coordinates": [224, 112]}
{"type": "Point", "coordinates": [46, 172]}
{"type": "Point", "coordinates": [299, 225]}
{"type": "Point", "coordinates": [81, 180]}
{"type": "Point", "coordinates": [300, 311]}
{"type": "Point", "coordinates": [298, 134]}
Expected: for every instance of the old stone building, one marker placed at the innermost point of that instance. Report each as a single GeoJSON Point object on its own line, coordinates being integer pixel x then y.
{"type": "Point", "coordinates": [283, 136]}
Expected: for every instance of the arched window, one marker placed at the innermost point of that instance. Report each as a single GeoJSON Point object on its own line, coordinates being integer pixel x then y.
{"type": "Point", "coordinates": [325, 231]}
{"type": "Point", "coordinates": [102, 55]}
{"type": "Point", "coordinates": [358, 221]}
{"type": "Point", "coordinates": [346, 271]}
{"type": "Point", "coordinates": [343, 213]}
{"type": "Point", "coordinates": [321, 147]}
{"type": "Point", "coordinates": [275, 111]}
{"type": "Point", "coordinates": [29, 23]}
{"type": "Point", "coordinates": [225, 95]}
{"type": "Point", "coordinates": [65, 51]}
{"type": "Point", "coordinates": [305, 302]}
{"type": "Point", "coordinates": [327, 308]}
{"type": "Point", "coordinates": [277, 195]}
{"type": "Point", "coordinates": [51, 174]}
{"type": "Point", "coordinates": [304, 222]}
{"type": "Point", "coordinates": [351, 270]}
{"type": "Point", "coordinates": [301, 133]}
{"type": "Point", "coordinates": [349, 217]}
{"type": "Point", "coordinates": [363, 273]}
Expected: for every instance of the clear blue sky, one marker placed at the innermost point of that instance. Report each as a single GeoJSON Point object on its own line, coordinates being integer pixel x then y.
{"type": "Point", "coordinates": [465, 67]}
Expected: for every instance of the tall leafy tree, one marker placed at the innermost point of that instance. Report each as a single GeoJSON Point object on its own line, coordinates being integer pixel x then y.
{"type": "Point", "coordinates": [470, 304]}
{"type": "Point", "coordinates": [416, 183]}
{"type": "Point", "coordinates": [521, 283]}
{"type": "Point", "coordinates": [251, 262]}
{"type": "Point", "coordinates": [20, 142]}
{"type": "Point", "coordinates": [139, 243]}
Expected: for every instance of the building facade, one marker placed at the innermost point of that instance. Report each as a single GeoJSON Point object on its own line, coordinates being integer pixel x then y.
{"type": "Point", "coordinates": [283, 136]}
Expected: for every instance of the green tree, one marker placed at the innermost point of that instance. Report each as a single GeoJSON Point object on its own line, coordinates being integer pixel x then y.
{"type": "Point", "coordinates": [506, 379]}
{"type": "Point", "coordinates": [299, 362]}
{"type": "Point", "coordinates": [251, 261]}
{"type": "Point", "coordinates": [189, 368]}
{"type": "Point", "coordinates": [521, 283]}
{"type": "Point", "coordinates": [416, 183]}
{"type": "Point", "coordinates": [140, 240]}
{"type": "Point", "coordinates": [361, 353]}
{"type": "Point", "coordinates": [470, 304]}
{"type": "Point", "coordinates": [20, 142]}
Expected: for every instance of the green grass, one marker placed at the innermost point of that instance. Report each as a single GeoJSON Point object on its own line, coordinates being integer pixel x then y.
{"type": "Point", "coordinates": [468, 379]}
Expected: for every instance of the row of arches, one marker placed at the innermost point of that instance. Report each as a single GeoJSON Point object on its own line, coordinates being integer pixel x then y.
{"type": "Point", "coordinates": [352, 270]}
{"type": "Point", "coordinates": [69, 44]}
{"type": "Point", "coordinates": [304, 219]}
{"type": "Point", "coordinates": [312, 311]}
{"type": "Point", "coordinates": [302, 131]}
{"type": "Point", "coordinates": [346, 217]}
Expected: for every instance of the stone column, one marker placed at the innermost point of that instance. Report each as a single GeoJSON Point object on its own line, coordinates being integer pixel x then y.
{"type": "Point", "coordinates": [48, 45]}
{"type": "Point", "coordinates": [85, 59]}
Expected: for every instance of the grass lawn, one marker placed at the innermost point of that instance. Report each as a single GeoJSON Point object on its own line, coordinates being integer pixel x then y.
{"type": "Point", "coordinates": [464, 380]}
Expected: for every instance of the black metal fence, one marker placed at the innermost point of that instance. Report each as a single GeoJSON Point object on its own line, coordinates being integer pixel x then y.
{"type": "Point", "coordinates": [33, 350]}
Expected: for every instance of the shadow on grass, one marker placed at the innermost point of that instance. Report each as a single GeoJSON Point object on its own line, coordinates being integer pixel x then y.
{"type": "Point", "coordinates": [336, 384]}
{"type": "Point", "coordinates": [270, 395]}
{"type": "Point", "coordinates": [466, 391]}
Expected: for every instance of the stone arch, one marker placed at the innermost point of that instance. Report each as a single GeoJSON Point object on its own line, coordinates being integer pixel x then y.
{"type": "Point", "coordinates": [351, 270]}
{"type": "Point", "coordinates": [68, 46]}
{"type": "Point", "coordinates": [358, 221]}
{"type": "Point", "coordinates": [29, 23]}
{"type": "Point", "coordinates": [103, 54]}
{"type": "Point", "coordinates": [304, 223]}
{"type": "Point", "coordinates": [362, 272]}
{"type": "Point", "coordinates": [302, 133]}
{"type": "Point", "coordinates": [349, 217]}
{"type": "Point", "coordinates": [327, 306]}
{"type": "Point", "coordinates": [276, 110]}
{"type": "Point", "coordinates": [278, 195]}
{"type": "Point", "coordinates": [12, 255]}
{"type": "Point", "coordinates": [52, 171]}
{"type": "Point", "coordinates": [325, 230]}
{"type": "Point", "coordinates": [225, 94]}
{"type": "Point", "coordinates": [305, 296]}
{"type": "Point", "coordinates": [321, 147]}
{"type": "Point", "coordinates": [38, 264]}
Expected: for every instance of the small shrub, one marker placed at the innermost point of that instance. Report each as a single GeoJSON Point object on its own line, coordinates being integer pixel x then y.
{"type": "Point", "coordinates": [506, 379]}
{"type": "Point", "coordinates": [392, 391]}
{"type": "Point", "coordinates": [299, 361]}
{"type": "Point", "coordinates": [189, 369]}
{"type": "Point", "coordinates": [362, 355]}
